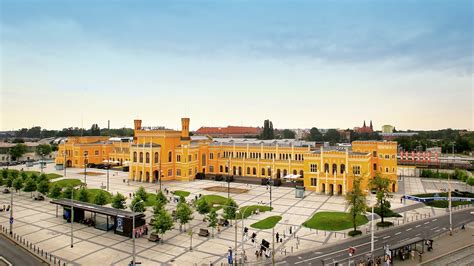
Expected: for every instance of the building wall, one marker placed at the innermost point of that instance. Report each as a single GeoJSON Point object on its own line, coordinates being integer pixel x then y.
{"type": "Point", "coordinates": [80, 150]}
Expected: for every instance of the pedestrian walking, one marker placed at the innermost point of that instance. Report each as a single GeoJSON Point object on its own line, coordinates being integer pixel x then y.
{"type": "Point", "coordinates": [277, 237]}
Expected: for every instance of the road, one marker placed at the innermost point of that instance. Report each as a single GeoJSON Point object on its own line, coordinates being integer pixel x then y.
{"type": "Point", "coordinates": [15, 254]}
{"type": "Point", "coordinates": [426, 228]}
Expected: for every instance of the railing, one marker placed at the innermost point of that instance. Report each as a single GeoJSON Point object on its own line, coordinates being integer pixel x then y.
{"type": "Point", "coordinates": [32, 248]}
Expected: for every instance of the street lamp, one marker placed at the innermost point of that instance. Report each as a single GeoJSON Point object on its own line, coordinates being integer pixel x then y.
{"type": "Point", "coordinates": [449, 197]}
{"type": "Point", "coordinates": [11, 212]}
{"type": "Point", "coordinates": [41, 162]}
{"type": "Point", "coordinates": [85, 168]}
{"type": "Point", "coordinates": [270, 184]}
{"type": "Point", "coordinates": [133, 230]}
{"type": "Point", "coordinates": [228, 179]}
{"type": "Point", "coordinates": [108, 166]}
{"type": "Point", "coordinates": [72, 216]}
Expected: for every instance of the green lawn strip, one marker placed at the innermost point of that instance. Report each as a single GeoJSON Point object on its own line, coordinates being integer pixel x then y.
{"type": "Point", "coordinates": [333, 221]}
{"type": "Point", "coordinates": [266, 223]}
{"type": "Point", "coordinates": [50, 176]}
{"type": "Point", "coordinates": [93, 193]}
{"type": "Point", "coordinates": [248, 210]}
{"type": "Point", "coordinates": [66, 182]}
{"type": "Point", "coordinates": [445, 203]}
{"type": "Point", "coordinates": [387, 213]}
{"type": "Point", "coordinates": [150, 199]}
{"type": "Point", "coordinates": [463, 194]}
{"type": "Point", "coordinates": [180, 193]}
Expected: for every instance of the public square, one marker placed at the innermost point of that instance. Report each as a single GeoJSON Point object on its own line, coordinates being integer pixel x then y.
{"type": "Point", "coordinates": [36, 221]}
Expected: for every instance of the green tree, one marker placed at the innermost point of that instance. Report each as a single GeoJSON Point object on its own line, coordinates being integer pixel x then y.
{"type": "Point", "coordinates": [43, 187]}
{"type": "Point", "coordinates": [141, 193]}
{"type": "Point", "coordinates": [55, 191]}
{"type": "Point", "coordinates": [43, 149]}
{"type": "Point", "coordinates": [83, 195]}
{"type": "Point", "coordinates": [158, 206]}
{"type": "Point", "coordinates": [288, 134]}
{"type": "Point", "coordinates": [118, 201]}
{"type": "Point", "coordinates": [139, 207]}
{"type": "Point", "coordinates": [202, 206]}
{"type": "Point", "coordinates": [35, 177]}
{"type": "Point", "coordinates": [332, 136]}
{"type": "Point", "coordinates": [230, 209]}
{"type": "Point", "coordinates": [267, 132]}
{"type": "Point", "coordinates": [100, 198]}
{"type": "Point", "coordinates": [23, 176]}
{"type": "Point", "coordinates": [95, 130]}
{"type": "Point", "coordinates": [356, 201]}
{"type": "Point", "coordinates": [14, 174]}
{"type": "Point", "coordinates": [18, 184]}
{"type": "Point", "coordinates": [68, 191]}
{"type": "Point", "coordinates": [315, 135]}
{"type": "Point", "coordinates": [212, 218]}
{"type": "Point", "coordinates": [381, 185]}
{"type": "Point", "coordinates": [41, 177]}
{"type": "Point", "coordinates": [17, 151]}
{"type": "Point", "coordinates": [4, 173]}
{"type": "Point", "coordinates": [9, 182]}
{"type": "Point", "coordinates": [30, 186]}
{"type": "Point", "coordinates": [183, 213]}
{"type": "Point", "coordinates": [161, 198]}
{"type": "Point", "coordinates": [162, 223]}
{"type": "Point", "coordinates": [470, 181]}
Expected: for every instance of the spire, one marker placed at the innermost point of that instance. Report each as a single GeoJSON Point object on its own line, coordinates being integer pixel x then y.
{"type": "Point", "coordinates": [371, 127]}
{"type": "Point", "coordinates": [364, 124]}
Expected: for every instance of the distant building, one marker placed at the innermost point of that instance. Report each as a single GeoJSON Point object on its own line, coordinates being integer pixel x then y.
{"type": "Point", "coordinates": [391, 136]}
{"type": "Point", "coordinates": [30, 154]}
{"type": "Point", "coordinates": [387, 129]}
{"type": "Point", "coordinates": [229, 131]}
{"type": "Point", "coordinates": [365, 129]}
{"type": "Point", "coordinates": [434, 150]}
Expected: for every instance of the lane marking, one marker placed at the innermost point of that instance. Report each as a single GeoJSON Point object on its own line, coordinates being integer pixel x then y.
{"type": "Point", "coordinates": [438, 230]}
{"type": "Point", "coordinates": [434, 228]}
{"type": "Point", "coordinates": [418, 226]}
{"type": "Point", "coordinates": [386, 237]}
{"type": "Point", "coordinates": [409, 229]}
{"type": "Point", "coordinates": [397, 233]}
{"type": "Point", "coordinates": [427, 222]}
{"type": "Point", "coordinates": [328, 254]}
{"type": "Point", "coordinates": [434, 220]}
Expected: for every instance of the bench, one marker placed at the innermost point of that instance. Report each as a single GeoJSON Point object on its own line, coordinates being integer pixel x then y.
{"type": "Point", "coordinates": [154, 238]}
{"type": "Point", "coordinates": [203, 232]}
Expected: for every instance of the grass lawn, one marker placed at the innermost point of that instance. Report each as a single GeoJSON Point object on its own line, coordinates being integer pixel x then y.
{"type": "Point", "coordinates": [150, 199]}
{"type": "Point", "coordinates": [94, 191]}
{"type": "Point", "coordinates": [66, 182]}
{"type": "Point", "coordinates": [445, 203]}
{"type": "Point", "coordinates": [251, 209]}
{"type": "Point", "coordinates": [215, 199]}
{"type": "Point", "coordinates": [387, 212]}
{"type": "Point", "coordinates": [266, 223]}
{"type": "Point", "coordinates": [333, 221]}
{"type": "Point", "coordinates": [180, 193]}
{"type": "Point", "coordinates": [50, 176]}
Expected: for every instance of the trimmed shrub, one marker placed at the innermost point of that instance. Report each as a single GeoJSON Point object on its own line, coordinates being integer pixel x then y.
{"type": "Point", "coordinates": [355, 233]}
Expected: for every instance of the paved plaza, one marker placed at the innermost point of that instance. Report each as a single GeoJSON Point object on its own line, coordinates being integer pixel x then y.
{"type": "Point", "coordinates": [37, 222]}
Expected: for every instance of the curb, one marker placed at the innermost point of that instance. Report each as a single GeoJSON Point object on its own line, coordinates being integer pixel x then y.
{"type": "Point", "coordinates": [42, 260]}
{"type": "Point", "coordinates": [446, 254]}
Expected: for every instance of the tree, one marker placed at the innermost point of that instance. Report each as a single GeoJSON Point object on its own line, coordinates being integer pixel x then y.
{"type": "Point", "coordinates": [315, 135]}
{"type": "Point", "coordinates": [118, 201]}
{"type": "Point", "coordinates": [68, 191]}
{"type": "Point", "coordinates": [30, 186]}
{"type": "Point", "coordinates": [4, 173]}
{"type": "Point", "coordinates": [333, 136]}
{"type": "Point", "coordinates": [43, 187]}
{"type": "Point", "coordinates": [267, 132]}
{"type": "Point", "coordinates": [55, 191]}
{"type": "Point", "coordinates": [17, 151]}
{"type": "Point", "coordinates": [356, 201]}
{"type": "Point", "coordinates": [95, 130]}
{"type": "Point", "coordinates": [139, 207]}
{"type": "Point", "coordinates": [41, 177]}
{"type": "Point", "coordinates": [212, 218]}
{"type": "Point", "coordinates": [14, 174]}
{"type": "Point", "coordinates": [381, 185]}
{"type": "Point", "coordinates": [288, 134]}
{"type": "Point", "coordinates": [230, 209]}
{"type": "Point", "coordinates": [35, 177]}
{"type": "Point", "coordinates": [100, 198]}
{"type": "Point", "coordinates": [9, 182]}
{"type": "Point", "coordinates": [183, 213]}
{"type": "Point", "coordinates": [470, 181]}
{"type": "Point", "coordinates": [162, 223]}
{"type": "Point", "coordinates": [83, 195]}
{"type": "Point", "coordinates": [23, 176]}
{"type": "Point", "coordinates": [18, 184]}
{"type": "Point", "coordinates": [161, 198]}
{"type": "Point", "coordinates": [141, 193]}
{"type": "Point", "coordinates": [43, 149]}
{"type": "Point", "coordinates": [202, 206]}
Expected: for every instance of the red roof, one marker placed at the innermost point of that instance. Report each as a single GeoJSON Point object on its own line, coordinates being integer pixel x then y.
{"type": "Point", "coordinates": [229, 130]}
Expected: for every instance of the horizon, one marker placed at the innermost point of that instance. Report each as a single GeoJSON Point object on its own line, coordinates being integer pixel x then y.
{"type": "Point", "coordinates": [330, 63]}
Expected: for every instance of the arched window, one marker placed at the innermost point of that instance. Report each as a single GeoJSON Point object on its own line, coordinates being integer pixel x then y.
{"type": "Point", "coordinates": [326, 167]}
{"type": "Point", "coordinates": [134, 156]}
{"type": "Point", "coordinates": [301, 173]}
{"type": "Point", "coordinates": [343, 168]}
{"type": "Point", "coordinates": [141, 157]}
{"type": "Point", "coordinates": [248, 170]}
{"type": "Point", "coordinates": [269, 172]}
{"type": "Point", "coordinates": [156, 157]}
{"type": "Point", "coordinates": [254, 171]}
{"type": "Point", "coordinates": [220, 168]}
{"type": "Point", "coordinates": [295, 172]}
{"type": "Point", "coordinates": [285, 173]}
{"type": "Point", "coordinates": [334, 168]}
{"type": "Point", "coordinates": [170, 157]}
{"type": "Point", "coordinates": [147, 158]}
{"type": "Point", "coordinates": [263, 171]}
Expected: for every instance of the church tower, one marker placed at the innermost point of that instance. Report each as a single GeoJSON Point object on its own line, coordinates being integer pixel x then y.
{"type": "Point", "coordinates": [185, 128]}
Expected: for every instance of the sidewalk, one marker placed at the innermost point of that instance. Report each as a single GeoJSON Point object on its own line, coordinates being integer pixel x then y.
{"type": "Point", "coordinates": [444, 247]}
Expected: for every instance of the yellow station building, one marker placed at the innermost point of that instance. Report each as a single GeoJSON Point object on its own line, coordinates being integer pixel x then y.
{"type": "Point", "coordinates": [175, 155]}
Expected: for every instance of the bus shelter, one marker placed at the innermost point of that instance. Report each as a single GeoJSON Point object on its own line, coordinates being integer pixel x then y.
{"type": "Point", "coordinates": [402, 250]}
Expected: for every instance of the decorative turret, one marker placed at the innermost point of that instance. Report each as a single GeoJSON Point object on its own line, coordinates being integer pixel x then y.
{"type": "Point", "coordinates": [371, 127]}
{"type": "Point", "coordinates": [137, 123]}
{"type": "Point", "coordinates": [185, 128]}
{"type": "Point", "coordinates": [364, 124]}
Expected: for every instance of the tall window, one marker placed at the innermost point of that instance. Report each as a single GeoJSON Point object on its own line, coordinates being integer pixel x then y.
{"type": "Point", "coordinates": [314, 182]}
{"type": "Point", "coordinates": [147, 157]}
{"type": "Point", "coordinates": [203, 160]}
{"type": "Point", "coordinates": [334, 168]}
{"type": "Point", "coordinates": [220, 168]}
{"type": "Point", "coordinates": [170, 172]}
{"type": "Point", "coordinates": [313, 168]}
{"type": "Point", "coordinates": [178, 172]}
{"type": "Point", "coordinates": [248, 170]}
{"type": "Point", "coordinates": [211, 168]}
{"type": "Point", "coordinates": [343, 168]}
{"type": "Point", "coordinates": [326, 167]}
{"type": "Point", "coordinates": [356, 169]}
{"type": "Point", "coordinates": [211, 155]}
{"type": "Point", "coordinates": [190, 158]}
{"type": "Point", "coordinates": [156, 157]}
{"type": "Point", "coordinates": [170, 157]}
{"type": "Point", "coordinates": [96, 153]}
{"type": "Point", "coordinates": [263, 171]}
{"type": "Point", "coordinates": [134, 156]}
{"type": "Point", "coordinates": [254, 171]}
{"type": "Point", "coordinates": [141, 157]}
{"type": "Point", "coordinates": [178, 158]}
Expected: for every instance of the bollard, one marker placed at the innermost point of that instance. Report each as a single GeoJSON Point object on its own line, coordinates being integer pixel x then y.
{"type": "Point", "coordinates": [335, 234]}
{"type": "Point", "coordinates": [54, 260]}
{"type": "Point", "coordinates": [291, 249]}
{"type": "Point", "coordinates": [398, 222]}
{"type": "Point", "coordinates": [41, 252]}
{"type": "Point", "coordinates": [324, 233]}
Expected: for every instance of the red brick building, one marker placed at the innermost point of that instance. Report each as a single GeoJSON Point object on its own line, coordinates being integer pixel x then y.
{"type": "Point", "coordinates": [365, 129]}
{"type": "Point", "coordinates": [229, 131]}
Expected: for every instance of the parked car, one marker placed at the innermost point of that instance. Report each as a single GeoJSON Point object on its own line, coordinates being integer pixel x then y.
{"type": "Point", "coordinates": [6, 191]}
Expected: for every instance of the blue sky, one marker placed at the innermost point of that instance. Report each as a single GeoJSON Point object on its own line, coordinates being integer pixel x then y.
{"type": "Point", "coordinates": [298, 63]}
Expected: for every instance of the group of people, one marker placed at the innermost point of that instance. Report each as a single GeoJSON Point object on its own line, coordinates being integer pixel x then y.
{"type": "Point", "coordinates": [141, 231]}
{"type": "Point", "coordinates": [5, 209]}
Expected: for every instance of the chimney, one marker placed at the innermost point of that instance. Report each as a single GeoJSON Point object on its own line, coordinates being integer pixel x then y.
{"type": "Point", "coordinates": [185, 128]}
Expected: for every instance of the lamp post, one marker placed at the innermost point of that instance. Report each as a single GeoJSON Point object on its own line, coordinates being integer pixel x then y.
{"type": "Point", "coordinates": [270, 184]}
{"type": "Point", "coordinates": [449, 197]}
{"type": "Point", "coordinates": [41, 162]}
{"type": "Point", "coordinates": [133, 230]}
{"type": "Point", "coordinates": [160, 173]}
{"type": "Point", "coordinates": [72, 217]}
{"type": "Point", "coordinates": [85, 168]}
{"type": "Point", "coordinates": [108, 166]}
{"type": "Point", "coordinates": [64, 164]}
{"type": "Point", "coordinates": [372, 235]}
{"type": "Point", "coordinates": [228, 179]}
{"type": "Point", "coordinates": [11, 212]}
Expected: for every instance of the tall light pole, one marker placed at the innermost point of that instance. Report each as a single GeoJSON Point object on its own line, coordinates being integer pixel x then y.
{"type": "Point", "coordinates": [41, 162]}
{"type": "Point", "coordinates": [228, 179]}
{"type": "Point", "coordinates": [449, 198]}
{"type": "Point", "coordinates": [372, 235]}
{"type": "Point", "coordinates": [85, 168]}
{"type": "Point", "coordinates": [133, 230]}
{"type": "Point", "coordinates": [64, 164]}
{"type": "Point", "coordinates": [108, 161]}
{"type": "Point", "coordinates": [72, 216]}
{"type": "Point", "coordinates": [270, 184]}
{"type": "Point", "coordinates": [11, 212]}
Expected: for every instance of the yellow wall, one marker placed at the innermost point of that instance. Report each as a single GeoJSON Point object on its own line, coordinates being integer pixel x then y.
{"type": "Point", "coordinates": [96, 148]}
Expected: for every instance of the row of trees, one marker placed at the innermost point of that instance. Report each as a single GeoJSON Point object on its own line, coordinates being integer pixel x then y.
{"type": "Point", "coordinates": [20, 149]}
{"type": "Point", "coordinates": [28, 182]}
{"type": "Point", "coordinates": [94, 130]}
{"type": "Point", "coordinates": [462, 141]}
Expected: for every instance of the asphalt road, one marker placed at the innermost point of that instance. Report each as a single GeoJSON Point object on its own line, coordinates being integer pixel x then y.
{"type": "Point", "coordinates": [15, 254]}
{"type": "Point", "coordinates": [426, 228]}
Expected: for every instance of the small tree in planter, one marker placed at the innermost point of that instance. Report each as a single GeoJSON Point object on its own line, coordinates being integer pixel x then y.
{"type": "Point", "coordinates": [118, 201]}
{"type": "Point", "coordinates": [357, 205]}
{"type": "Point", "coordinates": [55, 191]}
{"type": "Point", "coordinates": [183, 213]}
{"type": "Point", "coordinates": [17, 184]}
{"type": "Point", "coordinates": [202, 206]}
{"type": "Point", "coordinates": [83, 195]}
{"type": "Point", "coordinates": [161, 198]}
{"type": "Point", "coordinates": [23, 176]}
{"type": "Point", "coordinates": [68, 191]}
{"type": "Point", "coordinates": [141, 193]}
{"type": "Point", "coordinates": [212, 217]}
{"type": "Point", "coordinates": [139, 207]}
{"type": "Point", "coordinates": [230, 209]}
{"type": "Point", "coordinates": [162, 223]}
{"type": "Point", "coordinates": [100, 198]}
{"type": "Point", "coordinates": [381, 185]}
{"type": "Point", "coordinates": [30, 186]}
{"type": "Point", "coordinates": [43, 187]}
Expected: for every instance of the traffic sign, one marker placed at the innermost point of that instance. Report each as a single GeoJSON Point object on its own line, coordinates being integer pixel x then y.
{"type": "Point", "coordinates": [11, 220]}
